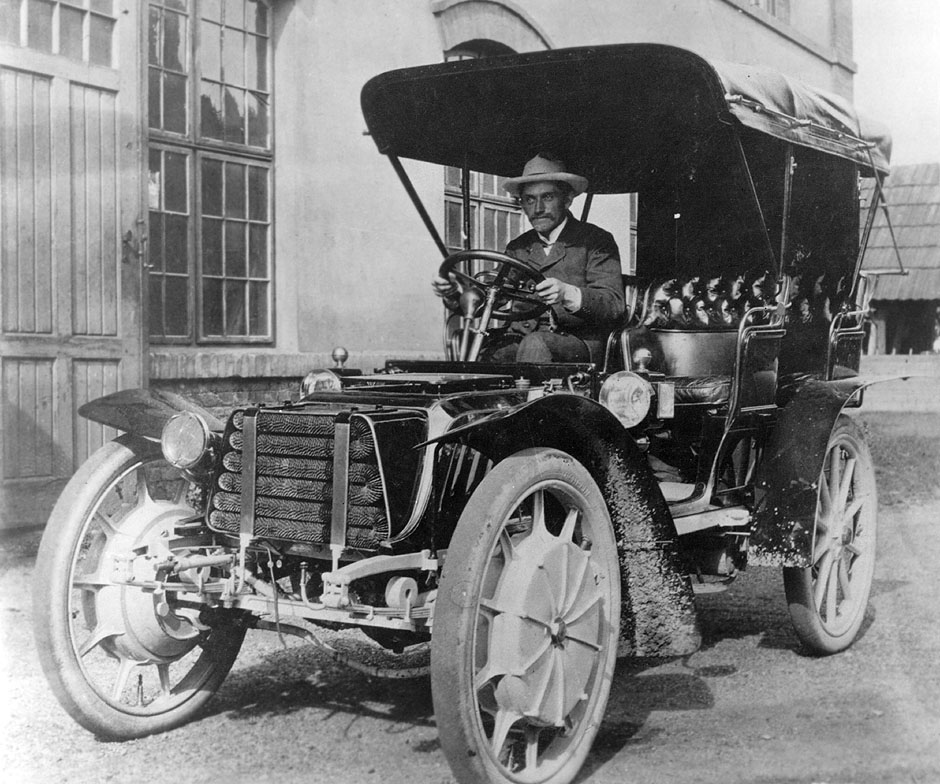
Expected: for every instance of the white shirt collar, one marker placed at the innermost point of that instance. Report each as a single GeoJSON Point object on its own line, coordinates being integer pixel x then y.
{"type": "Point", "coordinates": [552, 238]}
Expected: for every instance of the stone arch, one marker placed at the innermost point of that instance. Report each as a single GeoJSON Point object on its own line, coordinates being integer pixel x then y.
{"type": "Point", "coordinates": [500, 21]}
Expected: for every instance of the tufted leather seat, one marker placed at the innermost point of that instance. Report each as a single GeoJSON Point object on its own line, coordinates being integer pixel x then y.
{"type": "Point", "coordinates": [705, 390]}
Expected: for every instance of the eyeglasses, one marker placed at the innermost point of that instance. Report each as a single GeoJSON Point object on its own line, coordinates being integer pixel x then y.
{"type": "Point", "coordinates": [548, 199]}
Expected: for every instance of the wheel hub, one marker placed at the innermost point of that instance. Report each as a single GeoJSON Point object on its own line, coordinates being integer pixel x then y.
{"type": "Point", "coordinates": [545, 630]}
{"type": "Point", "coordinates": [144, 627]}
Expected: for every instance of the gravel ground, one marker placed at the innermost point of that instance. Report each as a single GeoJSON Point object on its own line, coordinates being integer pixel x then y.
{"type": "Point", "coordinates": [748, 707]}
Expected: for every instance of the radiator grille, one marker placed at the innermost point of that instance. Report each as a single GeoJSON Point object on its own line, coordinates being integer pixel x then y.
{"type": "Point", "coordinates": [294, 480]}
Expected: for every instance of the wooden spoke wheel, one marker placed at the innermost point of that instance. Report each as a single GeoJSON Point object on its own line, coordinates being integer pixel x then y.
{"type": "Point", "coordinates": [123, 661]}
{"type": "Point", "coordinates": [828, 599]}
{"type": "Point", "coordinates": [526, 623]}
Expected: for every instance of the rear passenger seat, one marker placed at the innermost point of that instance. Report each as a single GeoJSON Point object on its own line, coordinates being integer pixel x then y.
{"type": "Point", "coordinates": [690, 327]}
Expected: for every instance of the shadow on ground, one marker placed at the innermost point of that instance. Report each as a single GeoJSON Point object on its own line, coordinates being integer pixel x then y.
{"type": "Point", "coordinates": [301, 677]}
{"type": "Point", "coordinates": [638, 690]}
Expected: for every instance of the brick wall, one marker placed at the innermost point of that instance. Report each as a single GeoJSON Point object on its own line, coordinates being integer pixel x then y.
{"type": "Point", "coordinates": [219, 379]}
{"type": "Point", "coordinates": [221, 395]}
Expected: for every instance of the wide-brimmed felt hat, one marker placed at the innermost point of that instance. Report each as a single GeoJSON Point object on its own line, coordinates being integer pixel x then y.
{"type": "Point", "coordinates": [541, 169]}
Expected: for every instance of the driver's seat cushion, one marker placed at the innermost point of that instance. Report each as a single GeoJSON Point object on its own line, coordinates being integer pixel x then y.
{"type": "Point", "coordinates": [703, 390]}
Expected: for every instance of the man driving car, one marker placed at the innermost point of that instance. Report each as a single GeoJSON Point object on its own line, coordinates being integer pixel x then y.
{"type": "Point", "coordinates": [581, 264]}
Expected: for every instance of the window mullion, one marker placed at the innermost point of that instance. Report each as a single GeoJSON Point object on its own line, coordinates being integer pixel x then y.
{"type": "Point", "coordinates": [196, 288]}
{"type": "Point", "coordinates": [195, 71]}
{"type": "Point", "coordinates": [195, 294]}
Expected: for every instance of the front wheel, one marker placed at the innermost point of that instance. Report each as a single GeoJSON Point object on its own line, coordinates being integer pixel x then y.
{"type": "Point", "coordinates": [124, 662]}
{"type": "Point", "coordinates": [827, 599]}
{"type": "Point", "coordinates": [526, 623]}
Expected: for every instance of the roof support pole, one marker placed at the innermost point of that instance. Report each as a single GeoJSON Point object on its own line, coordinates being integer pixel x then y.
{"type": "Point", "coordinates": [772, 263]}
{"type": "Point", "coordinates": [878, 199]}
{"type": "Point", "coordinates": [884, 206]}
{"type": "Point", "coordinates": [586, 209]}
{"type": "Point", "coordinates": [419, 205]}
{"type": "Point", "coordinates": [787, 198]}
{"type": "Point", "coordinates": [866, 233]}
{"type": "Point", "coordinates": [465, 196]}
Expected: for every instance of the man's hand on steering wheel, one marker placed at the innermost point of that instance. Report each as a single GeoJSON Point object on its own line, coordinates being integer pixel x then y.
{"type": "Point", "coordinates": [443, 287]}
{"type": "Point", "coordinates": [551, 291]}
{"type": "Point", "coordinates": [556, 292]}
{"type": "Point", "coordinates": [506, 292]}
{"type": "Point", "coordinates": [510, 281]}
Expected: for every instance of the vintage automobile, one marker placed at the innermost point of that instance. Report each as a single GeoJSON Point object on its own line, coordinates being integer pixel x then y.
{"type": "Point", "coordinates": [527, 523]}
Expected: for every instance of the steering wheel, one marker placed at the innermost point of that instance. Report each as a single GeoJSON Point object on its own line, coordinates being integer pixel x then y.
{"type": "Point", "coordinates": [511, 280]}
{"type": "Point", "coordinates": [511, 283]}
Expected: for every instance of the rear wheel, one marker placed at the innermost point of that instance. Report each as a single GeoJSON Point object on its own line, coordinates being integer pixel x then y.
{"type": "Point", "coordinates": [124, 662]}
{"type": "Point", "coordinates": [827, 599]}
{"type": "Point", "coordinates": [526, 623]}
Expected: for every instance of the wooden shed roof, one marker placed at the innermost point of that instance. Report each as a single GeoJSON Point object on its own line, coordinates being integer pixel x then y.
{"type": "Point", "coordinates": [913, 195]}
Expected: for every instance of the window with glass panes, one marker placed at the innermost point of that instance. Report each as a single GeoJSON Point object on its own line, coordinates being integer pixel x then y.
{"type": "Point", "coordinates": [209, 90]}
{"type": "Point", "coordinates": [81, 30]}
{"type": "Point", "coordinates": [495, 217]}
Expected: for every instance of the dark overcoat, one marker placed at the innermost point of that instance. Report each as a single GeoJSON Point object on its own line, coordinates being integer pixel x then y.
{"type": "Point", "coordinates": [585, 256]}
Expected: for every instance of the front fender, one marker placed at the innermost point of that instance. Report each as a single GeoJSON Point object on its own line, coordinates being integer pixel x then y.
{"type": "Point", "coordinates": [143, 412]}
{"type": "Point", "coordinates": [787, 479]}
{"type": "Point", "coordinates": [658, 615]}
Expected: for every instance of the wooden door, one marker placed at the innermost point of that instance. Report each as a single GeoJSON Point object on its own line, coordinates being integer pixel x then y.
{"type": "Point", "coordinates": [70, 193]}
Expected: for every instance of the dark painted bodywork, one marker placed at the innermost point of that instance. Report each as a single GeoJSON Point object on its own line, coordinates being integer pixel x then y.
{"type": "Point", "coordinates": [787, 479]}
{"type": "Point", "coordinates": [659, 617]}
{"type": "Point", "coordinates": [658, 613]}
{"type": "Point", "coordinates": [143, 412]}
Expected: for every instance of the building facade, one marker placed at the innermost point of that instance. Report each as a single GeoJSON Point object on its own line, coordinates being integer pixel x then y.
{"type": "Point", "coordinates": [188, 199]}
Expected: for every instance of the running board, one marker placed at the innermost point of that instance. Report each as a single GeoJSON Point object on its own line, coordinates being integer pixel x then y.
{"type": "Point", "coordinates": [674, 492]}
{"type": "Point", "coordinates": [730, 517]}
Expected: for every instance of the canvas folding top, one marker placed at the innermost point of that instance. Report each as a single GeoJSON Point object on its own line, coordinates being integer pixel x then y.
{"type": "Point", "coordinates": [611, 111]}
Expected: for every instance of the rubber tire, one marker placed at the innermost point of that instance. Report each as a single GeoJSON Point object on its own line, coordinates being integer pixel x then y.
{"type": "Point", "coordinates": [452, 645]}
{"type": "Point", "coordinates": [51, 593]}
{"type": "Point", "coordinates": [816, 635]}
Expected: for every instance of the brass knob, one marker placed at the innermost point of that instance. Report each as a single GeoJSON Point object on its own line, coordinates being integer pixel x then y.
{"type": "Point", "coordinates": [642, 358]}
{"type": "Point", "coordinates": [340, 355]}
